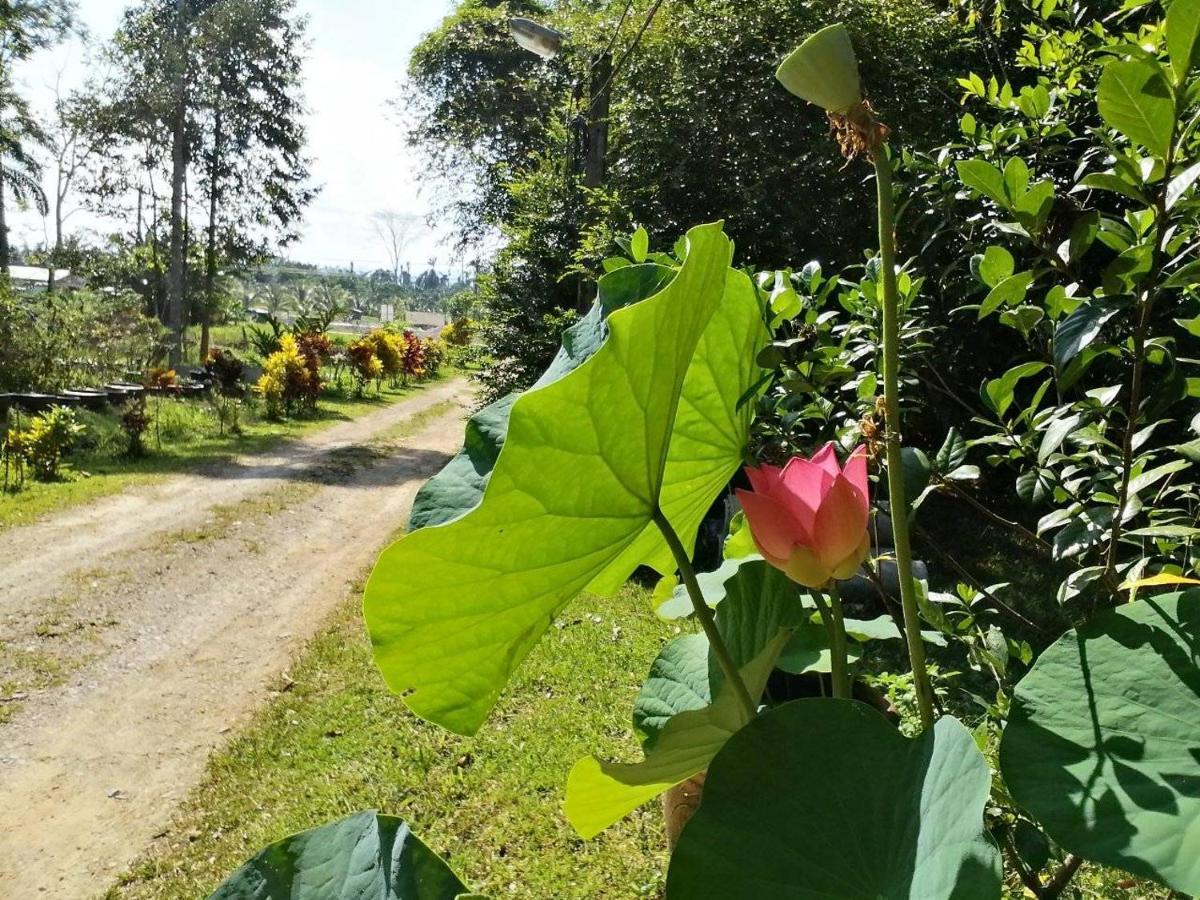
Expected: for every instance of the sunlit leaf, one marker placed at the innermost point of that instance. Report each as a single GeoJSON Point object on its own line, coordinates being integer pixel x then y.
{"type": "Point", "coordinates": [1135, 99]}
{"type": "Point", "coordinates": [650, 421]}
{"type": "Point", "coordinates": [1102, 745]}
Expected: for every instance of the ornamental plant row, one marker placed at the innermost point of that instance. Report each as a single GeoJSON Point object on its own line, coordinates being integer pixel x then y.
{"type": "Point", "coordinates": [612, 460]}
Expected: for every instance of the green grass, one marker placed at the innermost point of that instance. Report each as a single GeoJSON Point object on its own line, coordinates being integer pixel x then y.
{"type": "Point", "coordinates": [334, 741]}
{"type": "Point", "coordinates": [189, 435]}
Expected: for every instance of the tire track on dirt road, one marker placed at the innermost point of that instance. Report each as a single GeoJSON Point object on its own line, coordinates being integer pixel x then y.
{"type": "Point", "coordinates": [194, 629]}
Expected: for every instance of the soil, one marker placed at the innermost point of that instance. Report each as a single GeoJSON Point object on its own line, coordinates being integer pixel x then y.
{"type": "Point", "coordinates": [138, 632]}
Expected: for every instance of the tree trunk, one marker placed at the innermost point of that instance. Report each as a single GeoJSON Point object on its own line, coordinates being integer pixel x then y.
{"type": "Point", "coordinates": [178, 168]}
{"type": "Point", "coordinates": [3, 228]}
{"type": "Point", "coordinates": [59, 199]}
{"type": "Point", "coordinates": [210, 255]}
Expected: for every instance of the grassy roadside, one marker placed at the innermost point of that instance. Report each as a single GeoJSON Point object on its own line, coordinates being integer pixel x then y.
{"type": "Point", "coordinates": [190, 437]}
{"type": "Point", "coordinates": [334, 741]}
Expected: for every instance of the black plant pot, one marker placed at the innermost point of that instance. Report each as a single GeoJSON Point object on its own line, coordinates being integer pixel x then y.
{"type": "Point", "coordinates": [88, 398]}
{"type": "Point", "coordinates": [33, 402]}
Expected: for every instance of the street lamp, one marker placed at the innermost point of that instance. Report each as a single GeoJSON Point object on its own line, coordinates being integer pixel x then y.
{"type": "Point", "coordinates": [535, 37]}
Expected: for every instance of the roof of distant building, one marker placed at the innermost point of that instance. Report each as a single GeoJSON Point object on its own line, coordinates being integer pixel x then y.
{"type": "Point", "coordinates": [36, 274]}
{"type": "Point", "coordinates": [425, 319]}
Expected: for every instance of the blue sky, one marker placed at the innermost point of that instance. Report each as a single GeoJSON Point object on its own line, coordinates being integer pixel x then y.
{"type": "Point", "coordinates": [358, 53]}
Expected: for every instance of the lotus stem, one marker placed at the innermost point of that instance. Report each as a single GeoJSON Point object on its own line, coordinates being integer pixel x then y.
{"type": "Point", "coordinates": [898, 502]}
{"type": "Point", "coordinates": [835, 627]}
{"type": "Point", "coordinates": [705, 615]}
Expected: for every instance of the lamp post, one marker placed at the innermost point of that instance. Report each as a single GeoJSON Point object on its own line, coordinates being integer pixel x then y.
{"type": "Point", "coordinates": [547, 43]}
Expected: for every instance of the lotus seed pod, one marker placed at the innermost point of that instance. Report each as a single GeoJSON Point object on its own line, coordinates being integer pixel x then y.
{"type": "Point", "coordinates": [824, 71]}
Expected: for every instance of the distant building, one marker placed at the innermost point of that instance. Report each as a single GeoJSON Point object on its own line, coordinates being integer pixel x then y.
{"type": "Point", "coordinates": [32, 278]}
{"type": "Point", "coordinates": [427, 323]}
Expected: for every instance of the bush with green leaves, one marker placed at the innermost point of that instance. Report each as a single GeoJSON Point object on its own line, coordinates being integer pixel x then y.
{"type": "Point", "coordinates": [612, 460]}
{"type": "Point", "coordinates": [79, 338]}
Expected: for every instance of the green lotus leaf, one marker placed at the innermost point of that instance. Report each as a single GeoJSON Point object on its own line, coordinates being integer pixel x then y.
{"type": "Point", "coordinates": [650, 422]}
{"type": "Point", "coordinates": [1103, 742]}
{"type": "Point", "coordinates": [824, 70]}
{"type": "Point", "coordinates": [685, 711]}
{"type": "Point", "coordinates": [458, 488]}
{"type": "Point", "coordinates": [825, 800]}
{"type": "Point", "coordinates": [756, 601]}
{"type": "Point", "coordinates": [601, 793]}
{"type": "Point", "coordinates": [367, 856]}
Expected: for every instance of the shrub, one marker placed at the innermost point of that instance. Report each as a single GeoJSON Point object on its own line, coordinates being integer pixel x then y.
{"type": "Point", "coordinates": [435, 351]}
{"type": "Point", "coordinates": [71, 339]}
{"type": "Point", "coordinates": [134, 423]}
{"type": "Point", "coordinates": [388, 348]}
{"type": "Point", "coordinates": [50, 436]}
{"type": "Point", "coordinates": [287, 379]}
{"type": "Point", "coordinates": [364, 364]}
{"type": "Point", "coordinates": [227, 372]}
{"type": "Point", "coordinates": [459, 333]}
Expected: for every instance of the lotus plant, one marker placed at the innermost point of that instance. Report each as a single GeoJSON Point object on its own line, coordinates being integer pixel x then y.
{"type": "Point", "coordinates": [824, 71]}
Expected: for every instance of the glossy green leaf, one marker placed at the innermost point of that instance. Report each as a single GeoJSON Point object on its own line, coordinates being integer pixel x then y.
{"type": "Point", "coordinates": [824, 70]}
{"type": "Point", "coordinates": [1110, 181]}
{"type": "Point", "coordinates": [1135, 99]}
{"type": "Point", "coordinates": [651, 420]}
{"type": "Point", "coordinates": [999, 392]}
{"type": "Point", "coordinates": [1179, 185]}
{"type": "Point", "coordinates": [1079, 329]}
{"type": "Point", "coordinates": [1103, 741]}
{"type": "Point", "coordinates": [367, 856]}
{"type": "Point", "coordinates": [996, 265]}
{"type": "Point", "coordinates": [459, 487]}
{"type": "Point", "coordinates": [826, 800]}
{"type": "Point", "coordinates": [983, 177]}
{"type": "Point", "coordinates": [1183, 36]}
{"type": "Point", "coordinates": [639, 245]}
{"type": "Point", "coordinates": [1010, 292]}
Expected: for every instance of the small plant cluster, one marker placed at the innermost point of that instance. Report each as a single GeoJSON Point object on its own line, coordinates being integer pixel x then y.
{"type": "Point", "coordinates": [460, 332]}
{"type": "Point", "coordinates": [1085, 749]}
{"type": "Point", "coordinates": [41, 446]}
{"type": "Point", "coordinates": [291, 378]}
{"type": "Point", "coordinates": [399, 356]}
{"type": "Point", "coordinates": [227, 373]}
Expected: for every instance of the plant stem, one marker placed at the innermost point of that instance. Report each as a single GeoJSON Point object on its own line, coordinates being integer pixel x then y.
{"type": "Point", "coordinates": [898, 503]}
{"type": "Point", "coordinates": [835, 626]}
{"type": "Point", "coordinates": [715, 642]}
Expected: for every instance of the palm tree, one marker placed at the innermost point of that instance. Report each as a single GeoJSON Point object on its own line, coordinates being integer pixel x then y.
{"type": "Point", "coordinates": [20, 174]}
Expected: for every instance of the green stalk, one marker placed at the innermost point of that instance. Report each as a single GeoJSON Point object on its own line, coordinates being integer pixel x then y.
{"type": "Point", "coordinates": [898, 502]}
{"type": "Point", "coordinates": [715, 642]}
{"type": "Point", "coordinates": [835, 627]}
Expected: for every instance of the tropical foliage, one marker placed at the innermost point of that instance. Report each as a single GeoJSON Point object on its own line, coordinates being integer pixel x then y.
{"type": "Point", "coordinates": [1072, 204]}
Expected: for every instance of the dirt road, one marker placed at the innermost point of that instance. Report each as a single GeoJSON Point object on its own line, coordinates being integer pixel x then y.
{"type": "Point", "coordinates": [138, 632]}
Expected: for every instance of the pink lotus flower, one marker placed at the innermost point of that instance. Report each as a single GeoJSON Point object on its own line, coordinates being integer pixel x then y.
{"type": "Point", "coordinates": [809, 518]}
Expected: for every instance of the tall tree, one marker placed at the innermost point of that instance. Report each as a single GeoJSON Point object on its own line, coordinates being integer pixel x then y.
{"type": "Point", "coordinates": [251, 111]}
{"type": "Point", "coordinates": [221, 78]}
{"type": "Point", "coordinates": [25, 27]}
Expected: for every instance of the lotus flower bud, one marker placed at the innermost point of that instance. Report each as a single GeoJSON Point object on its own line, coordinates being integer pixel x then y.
{"type": "Point", "coordinates": [824, 71]}
{"type": "Point", "coordinates": [809, 519]}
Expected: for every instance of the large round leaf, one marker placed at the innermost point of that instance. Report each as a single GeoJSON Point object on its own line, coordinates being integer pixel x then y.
{"type": "Point", "coordinates": [825, 800]}
{"type": "Point", "coordinates": [650, 425]}
{"type": "Point", "coordinates": [367, 856]}
{"type": "Point", "coordinates": [1103, 742]}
